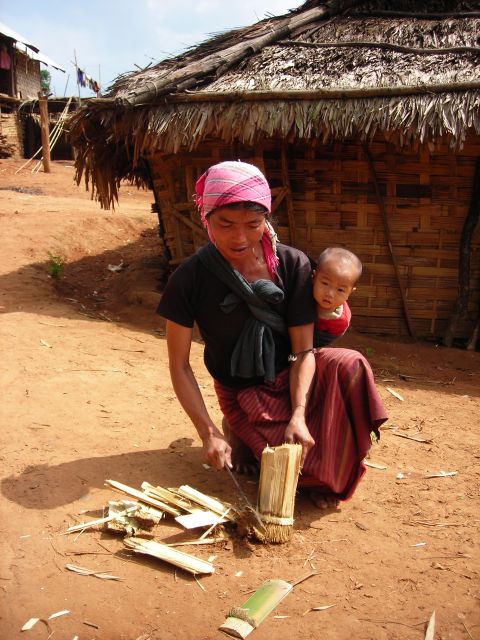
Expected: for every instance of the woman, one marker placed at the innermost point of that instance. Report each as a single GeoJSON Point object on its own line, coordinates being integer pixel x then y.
{"type": "Point", "coordinates": [252, 301]}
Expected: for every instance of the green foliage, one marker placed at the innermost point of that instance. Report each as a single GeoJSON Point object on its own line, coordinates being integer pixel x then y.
{"type": "Point", "coordinates": [45, 79]}
{"type": "Point", "coordinates": [56, 266]}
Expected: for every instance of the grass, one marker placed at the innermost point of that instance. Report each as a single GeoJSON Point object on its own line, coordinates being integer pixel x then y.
{"type": "Point", "coordinates": [55, 266]}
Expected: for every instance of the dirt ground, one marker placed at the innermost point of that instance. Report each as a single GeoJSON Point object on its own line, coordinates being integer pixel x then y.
{"type": "Point", "coordinates": [87, 397]}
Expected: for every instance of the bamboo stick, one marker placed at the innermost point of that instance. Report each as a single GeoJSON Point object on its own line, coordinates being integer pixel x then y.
{"type": "Point", "coordinates": [163, 552]}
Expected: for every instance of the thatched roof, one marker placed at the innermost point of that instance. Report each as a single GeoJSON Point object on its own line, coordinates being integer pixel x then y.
{"type": "Point", "coordinates": [325, 70]}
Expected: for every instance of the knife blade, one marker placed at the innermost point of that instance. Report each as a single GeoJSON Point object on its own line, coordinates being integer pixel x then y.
{"type": "Point", "coordinates": [243, 496]}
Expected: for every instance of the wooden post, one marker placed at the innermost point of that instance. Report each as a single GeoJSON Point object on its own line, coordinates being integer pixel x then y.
{"type": "Point", "coordinates": [464, 254]}
{"type": "Point", "coordinates": [42, 103]}
{"type": "Point", "coordinates": [288, 197]}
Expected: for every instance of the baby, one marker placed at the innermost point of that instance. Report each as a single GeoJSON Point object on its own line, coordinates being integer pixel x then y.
{"type": "Point", "coordinates": [336, 275]}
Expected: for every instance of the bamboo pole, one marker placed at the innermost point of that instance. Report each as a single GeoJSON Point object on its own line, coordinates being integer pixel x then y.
{"type": "Point", "coordinates": [76, 77]}
{"type": "Point", "coordinates": [316, 94]}
{"type": "Point", "coordinates": [42, 103]}
{"type": "Point", "coordinates": [380, 45]}
{"type": "Point", "coordinates": [296, 95]}
{"type": "Point", "coordinates": [386, 226]}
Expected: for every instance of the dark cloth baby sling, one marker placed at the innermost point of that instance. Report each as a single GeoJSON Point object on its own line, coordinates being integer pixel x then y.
{"type": "Point", "coordinates": [254, 352]}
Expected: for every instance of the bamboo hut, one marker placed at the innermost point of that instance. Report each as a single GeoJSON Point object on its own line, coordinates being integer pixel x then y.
{"type": "Point", "coordinates": [366, 122]}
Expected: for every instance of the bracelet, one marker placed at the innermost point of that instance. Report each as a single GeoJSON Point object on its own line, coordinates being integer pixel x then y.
{"type": "Point", "coordinates": [298, 405]}
{"type": "Point", "coordinates": [293, 357]}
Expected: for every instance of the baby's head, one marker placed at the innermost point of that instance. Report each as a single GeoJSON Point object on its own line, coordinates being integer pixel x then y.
{"type": "Point", "coordinates": [337, 273]}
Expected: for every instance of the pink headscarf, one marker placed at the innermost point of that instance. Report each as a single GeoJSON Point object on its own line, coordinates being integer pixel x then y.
{"type": "Point", "coordinates": [232, 181]}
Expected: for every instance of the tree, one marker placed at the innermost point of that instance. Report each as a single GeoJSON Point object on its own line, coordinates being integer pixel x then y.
{"type": "Point", "coordinates": [45, 79]}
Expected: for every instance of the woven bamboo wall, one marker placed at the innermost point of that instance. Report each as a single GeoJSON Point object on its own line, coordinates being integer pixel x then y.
{"type": "Point", "coordinates": [325, 195]}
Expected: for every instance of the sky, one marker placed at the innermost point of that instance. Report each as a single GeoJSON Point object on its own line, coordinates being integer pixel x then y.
{"type": "Point", "coordinates": [111, 37]}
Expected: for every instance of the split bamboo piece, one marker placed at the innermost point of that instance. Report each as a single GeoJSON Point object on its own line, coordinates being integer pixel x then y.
{"type": "Point", "coordinates": [241, 621]}
{"type": "Point", "coordinates": [138, 522]}
{"type": "Point", "coordinates": [279, 470]}
{"type": "Point", "coordinates": [163, 552]}
{"type": "Point", "coordinates": [168, 496]}
{"type": "Point", "coordinates": [211, 504]}
{"type": "Point", "coordinates": [143, 497]}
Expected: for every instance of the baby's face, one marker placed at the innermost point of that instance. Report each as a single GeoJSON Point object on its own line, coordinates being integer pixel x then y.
{"type": "Point", "coordinates": [333, 284]}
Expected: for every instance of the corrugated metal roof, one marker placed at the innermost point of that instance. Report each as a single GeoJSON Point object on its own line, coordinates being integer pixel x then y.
{"type": "Point", "coordinates": [38, 56]}
{"type": "Point", "coordinates": [23, 44]}
{"type": "Point", "coordinates": [10, 33]}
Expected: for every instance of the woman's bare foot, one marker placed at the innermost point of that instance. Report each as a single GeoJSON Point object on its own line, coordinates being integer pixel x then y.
{"type": "Point", "coordinates": [324, 500]}
{"type": "Point", "coordinates": [243, 460]}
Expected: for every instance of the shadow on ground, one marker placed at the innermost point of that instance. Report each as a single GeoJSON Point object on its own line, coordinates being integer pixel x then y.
{"type": "Point", "coordinates": [120, 285]}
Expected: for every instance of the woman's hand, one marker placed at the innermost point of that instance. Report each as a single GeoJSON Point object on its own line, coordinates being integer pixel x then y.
{"type": "Point", "coordinates": [216, 451]}
{"type": "Point", "coordinates": [297, 433]}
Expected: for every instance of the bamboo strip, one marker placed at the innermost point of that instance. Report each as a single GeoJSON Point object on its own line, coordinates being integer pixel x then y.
{"type": "Point", "coordinates": [204, 501]}
{"type": "Point", "coordinates": [143, 497]}
{"type": "Point", "coordinates": [163, 552]}
{"type": "Point", "coordinates": [166, 495]}
{"type": "Point", "coordinates": [93, 523]}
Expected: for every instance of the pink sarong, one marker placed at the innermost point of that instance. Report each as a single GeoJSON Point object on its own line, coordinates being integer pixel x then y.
{"type": "Point", "coordinates": [343, 409]}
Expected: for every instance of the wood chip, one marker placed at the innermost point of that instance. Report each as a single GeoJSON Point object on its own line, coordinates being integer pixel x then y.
{"type": "Point", "coordinates": [373, 465]}
{"type": "Point", "coordinates": [29, 624]}
{"type": "Point", "coordinates": [320, 608]}
{"type": "Point", "coordinates": [91, 624]}
{"type": "Point", "coordinates": [442, 474]}
{"type": "Point", "coordinates": [430, 633]}
{"type": "Point", "coordinates": [394, 393]}
{"type": "Point", "coordinates": [58, 614]}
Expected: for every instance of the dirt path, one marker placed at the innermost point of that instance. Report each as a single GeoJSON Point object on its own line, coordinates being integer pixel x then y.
{"type": "Point", "coordinates": [87, 397]}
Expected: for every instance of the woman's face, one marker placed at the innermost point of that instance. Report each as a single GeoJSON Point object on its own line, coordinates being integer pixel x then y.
{"type": "Point", "coordinates": [236, 232]}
